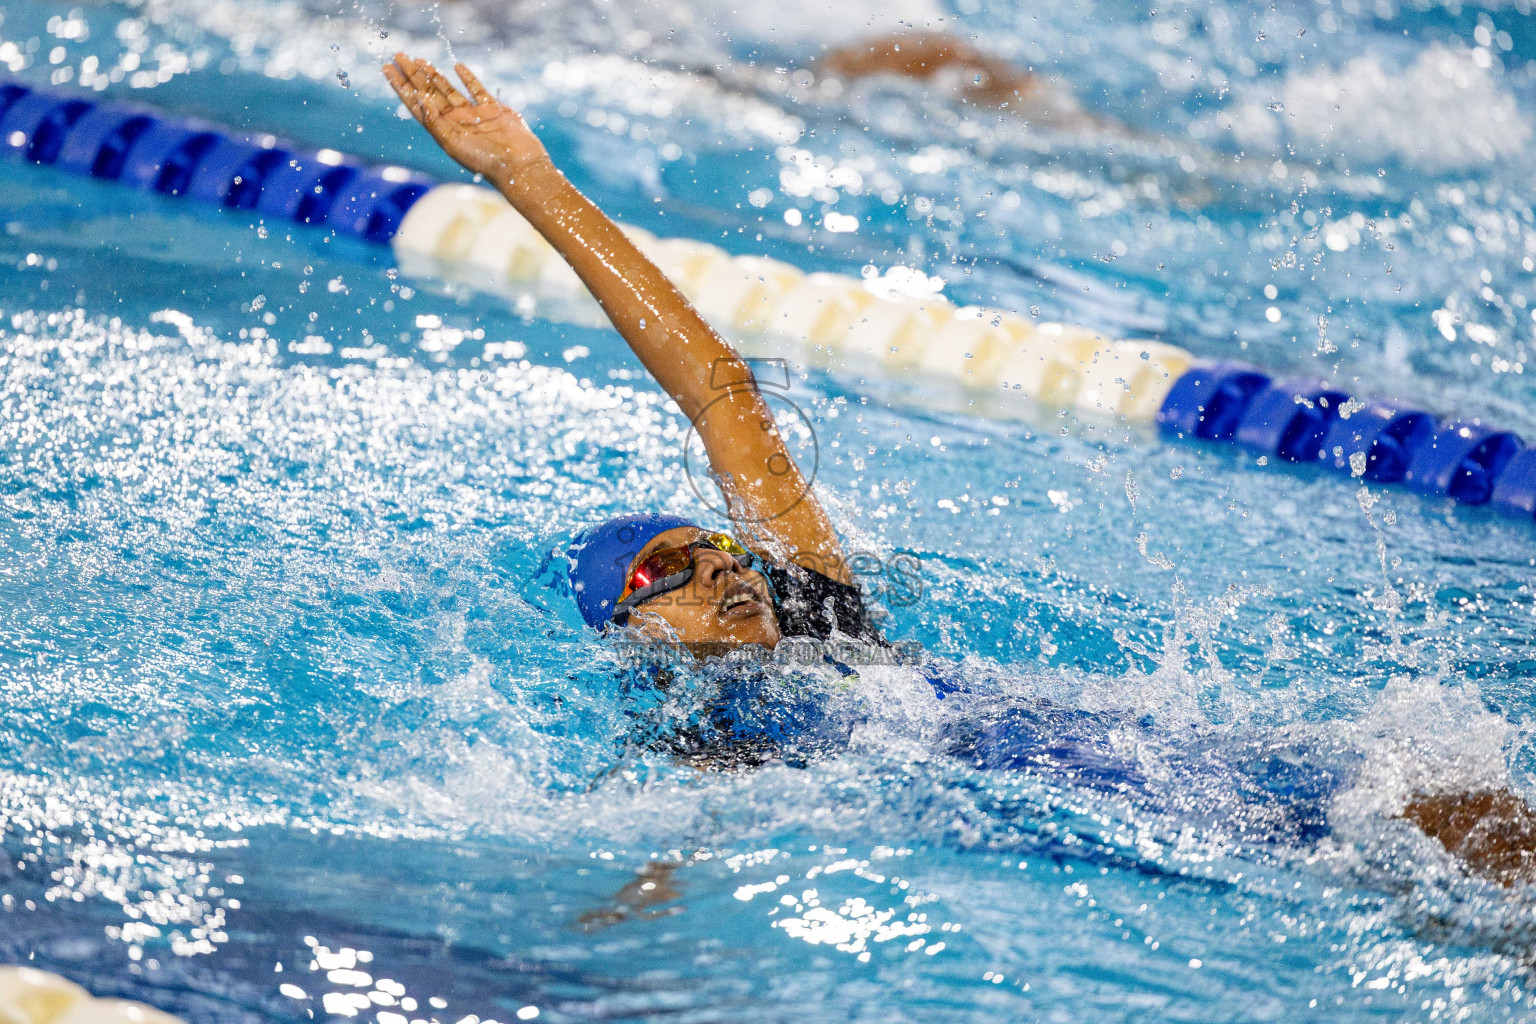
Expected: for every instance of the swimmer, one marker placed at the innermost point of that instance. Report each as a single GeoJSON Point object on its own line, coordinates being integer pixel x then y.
{"type": "Point", "coordinates": [907, 39]}
{"type": "Point", "coordinates": [952, 65]}
{"type": "Point", "coordinates": [946, 64]}
{"type": "Point", "coordinates": [662, 575]}
{"type": "Point", "coordinates": [669, 579]}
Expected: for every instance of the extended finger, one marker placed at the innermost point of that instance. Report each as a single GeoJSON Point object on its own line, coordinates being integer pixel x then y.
{"type": "Point", "coordinates": [432, 83]}
{"type": "Point", "coordinates": [472, 83]}
{"type": "Point", "coordinates": [408, 66]}
{"type": "Point", "coordinates": [419, 73]}
{"type": "Point", "coordinates": [445, 88]}
{"type": "Point", "coordinates": [407, 91]}
{"type": "Point", "coordinates": [428, 114]}
{"type": "Point", "coordinates": [397, 81]}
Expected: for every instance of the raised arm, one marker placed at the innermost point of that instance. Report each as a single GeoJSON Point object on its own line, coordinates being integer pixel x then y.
{"type": "Point", "coordinates": [681, 350]}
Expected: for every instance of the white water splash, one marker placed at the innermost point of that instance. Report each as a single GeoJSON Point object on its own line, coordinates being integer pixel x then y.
{"type": "Point", "coordinates": [1446, 110]}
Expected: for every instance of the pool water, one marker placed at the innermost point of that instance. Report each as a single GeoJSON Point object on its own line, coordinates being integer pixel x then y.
{"type": "Point", "coordinates": [301, 725]}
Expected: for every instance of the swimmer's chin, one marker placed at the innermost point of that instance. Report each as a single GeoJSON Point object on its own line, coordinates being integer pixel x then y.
{"type": "Point", "coordinates": [748, 624]}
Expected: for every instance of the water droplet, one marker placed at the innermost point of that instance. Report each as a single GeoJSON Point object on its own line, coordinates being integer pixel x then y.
{"type": "Point", "coordinates": [383, 33]}
{"type": "Point", "coordinates": [335, 47]}
{"type": "Point", "coordinates": [1277, 106]}
{"type": "Point", "coordinates": [341, 76]}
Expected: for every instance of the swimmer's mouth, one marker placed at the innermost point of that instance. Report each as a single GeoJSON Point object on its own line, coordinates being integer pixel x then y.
{"type": "Point", "coordinates": [741, 600]}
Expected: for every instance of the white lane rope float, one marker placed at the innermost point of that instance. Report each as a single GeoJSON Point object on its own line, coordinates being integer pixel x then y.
{"type": "Point", "coordinates": [469, 235]}
{"type": "Point", "coordinates": [31, 996]}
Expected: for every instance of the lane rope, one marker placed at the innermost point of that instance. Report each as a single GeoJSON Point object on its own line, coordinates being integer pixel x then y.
{"type": "Point", "coordinates": [469, 235]}
{"type": "Point", "coordinates": [31, 996]}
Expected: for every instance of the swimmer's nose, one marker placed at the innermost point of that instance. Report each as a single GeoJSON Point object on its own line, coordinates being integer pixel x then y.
{"type": "Point", "coordinates": [710, 566]}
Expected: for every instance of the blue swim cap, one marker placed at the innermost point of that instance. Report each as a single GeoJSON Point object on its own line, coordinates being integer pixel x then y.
{"type": "Point", "coordinates": [600, 557]}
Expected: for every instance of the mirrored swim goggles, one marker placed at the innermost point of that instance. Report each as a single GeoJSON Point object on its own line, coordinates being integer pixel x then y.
{"type": "Point", "coordinates": [667, 569]}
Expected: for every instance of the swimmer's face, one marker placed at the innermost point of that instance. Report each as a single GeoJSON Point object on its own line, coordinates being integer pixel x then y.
{"type": "Point", "coordinates": [723, 603]}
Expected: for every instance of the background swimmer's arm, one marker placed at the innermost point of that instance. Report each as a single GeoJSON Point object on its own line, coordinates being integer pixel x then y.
{"type": "Point", "coordinates": [925, 54]}
{"type": "Point", "coordinates": [677, 346]}
{"type": "Point", "coordinates": [650, 888]}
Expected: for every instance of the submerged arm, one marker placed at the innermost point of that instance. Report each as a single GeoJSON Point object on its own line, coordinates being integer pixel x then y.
{"type": "Point", "coordinates": [685, 355]}
{"type": "Point", "coordinates": [1492, 831]}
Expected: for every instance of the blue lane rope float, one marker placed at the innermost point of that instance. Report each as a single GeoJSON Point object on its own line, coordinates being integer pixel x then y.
{"type": "Point", "coordinates": [1289, 418]}
{"type": "Point", "coordinates": [150, 151]}
{"type": "Point", "coordinates": [1385, 435]}
{"type": "Point", "coordinates": [1302, 421]}
{"type": "Point", "coordinates": [1515, 491]}
{"type": "Point", "coordinates": [471, 235]}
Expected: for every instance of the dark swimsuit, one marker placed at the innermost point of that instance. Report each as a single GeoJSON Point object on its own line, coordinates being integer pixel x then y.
{"type": "Point", "coordinates": [811, 605]}
{"type": "Point", "coordinates": [766, 716]}
{"type": "Point", "coordinates": [762, 713]}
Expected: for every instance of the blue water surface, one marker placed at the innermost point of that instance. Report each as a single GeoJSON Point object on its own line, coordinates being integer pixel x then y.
{"type": "Point", "coordinates": [301, 725]}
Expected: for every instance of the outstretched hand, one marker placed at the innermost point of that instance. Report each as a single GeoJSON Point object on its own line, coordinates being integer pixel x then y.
{"type": "Point", "coordinates": [478, 131]}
